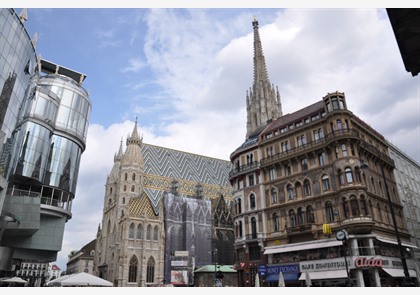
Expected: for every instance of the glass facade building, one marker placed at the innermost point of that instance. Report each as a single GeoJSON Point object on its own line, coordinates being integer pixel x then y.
{"type": "Point", "coordinates": [44, 117]}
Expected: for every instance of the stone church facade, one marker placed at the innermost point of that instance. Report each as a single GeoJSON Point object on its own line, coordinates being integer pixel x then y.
{"type": "Point", "coordinates": [159, 210]}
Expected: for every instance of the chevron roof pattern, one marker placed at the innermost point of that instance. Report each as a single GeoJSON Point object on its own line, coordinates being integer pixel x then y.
{"type": "Point", "coordinates": [163, 165]}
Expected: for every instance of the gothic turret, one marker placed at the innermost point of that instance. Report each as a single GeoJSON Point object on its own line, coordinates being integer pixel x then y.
{"type": "Point", "coordinates": [263, 100]}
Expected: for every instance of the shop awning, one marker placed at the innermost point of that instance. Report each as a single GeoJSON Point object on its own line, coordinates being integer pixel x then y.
{"type": "Point", "coordinates": [386, 240]}
{"type": "Point", "coordinates": [398, 273]}
{"type": "Point", "coordinates": [302, 246]}
{"type": "Point", "coordinates": [320, 275]}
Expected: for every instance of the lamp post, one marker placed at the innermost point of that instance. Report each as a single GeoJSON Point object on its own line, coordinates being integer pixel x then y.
{"type": "Point", "coordinates": [406, 281]}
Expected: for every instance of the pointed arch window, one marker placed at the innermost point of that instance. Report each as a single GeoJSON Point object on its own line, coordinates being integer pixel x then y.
{"type": "Point", "coordinates": [134, 177]}
{"type": "Point", "coordinates": [156, 233]}
{"type": "Point", "coordinates": [300, 216]}
{"type": "Point", "coordinates": [363, 206]}
{"type": "Point", "coordinates": [239, 206]}
{"type": "Point", "coordinates": [132, 270]}
{"type": "Point", "coordinates": [252, 201]}
{"type": "Point", "coordinates": [148, 232]}
{"type": "Point", "coordinates": [290, 192]}
{"type": "Point", "coordinates": [125, 176]}
{"type": "Point", "coordinates": [354, 204]}
{"type": "Point", "coordinates": [150, 274]}
{"type": "Point", "coordinates": [349, 175]}
{"type": "Point", "coordinates": [131, 231]}
{"type": "Point", "coordinates": [240, 229]}
{"type": "Point", "coordinates": [273, 195]}
{"type": "Point", "coordinates": [132, 188]}
{"type": "Point", "coordinates": [379, 212]}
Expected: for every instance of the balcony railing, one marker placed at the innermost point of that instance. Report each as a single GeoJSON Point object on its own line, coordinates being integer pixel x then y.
{"type": "Point", "coordinates": [244, 169]}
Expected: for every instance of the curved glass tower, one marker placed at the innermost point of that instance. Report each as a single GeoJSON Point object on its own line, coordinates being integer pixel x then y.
{"type": "Point", "coordinates": [44, 117]}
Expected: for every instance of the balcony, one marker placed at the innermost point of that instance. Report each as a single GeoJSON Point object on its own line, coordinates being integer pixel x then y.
{"type": "Point", "coordinates": [244, 169]}
{"type": "Point", "coordinates": [299, 229]}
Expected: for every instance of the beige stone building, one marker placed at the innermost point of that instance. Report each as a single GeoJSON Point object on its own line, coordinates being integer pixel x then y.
{"type": "Point", "coordinates": [299, 180]}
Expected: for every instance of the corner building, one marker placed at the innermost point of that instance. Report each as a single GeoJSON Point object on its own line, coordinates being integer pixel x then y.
{"type": "Point", "coordinates": [44, 113]}
{"type": "Point", "coordinates": [298, 180]}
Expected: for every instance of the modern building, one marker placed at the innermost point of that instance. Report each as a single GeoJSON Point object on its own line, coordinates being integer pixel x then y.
{"type": "Point", "coordinates": [157, 218]}
{"type": "Point", "coordinates": [407, 177]}
{"type": "Point", "coordinates": [44, 118]}
{"type": "Point", "coordinates": [305, 204]}
{"type": "Point", "coordinates": [82, 260]}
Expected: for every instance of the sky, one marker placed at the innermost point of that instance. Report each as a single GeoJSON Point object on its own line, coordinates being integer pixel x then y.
{"type": "Point", "coordinates": [183, 75]}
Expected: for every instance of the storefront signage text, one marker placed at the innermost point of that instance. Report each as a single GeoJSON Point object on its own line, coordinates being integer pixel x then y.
{"type": "Point", "coordinates": [364, 262]}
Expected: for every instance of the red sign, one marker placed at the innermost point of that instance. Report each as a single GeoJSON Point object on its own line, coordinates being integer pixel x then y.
{"type": "Point", "coordinates": [364, 262]}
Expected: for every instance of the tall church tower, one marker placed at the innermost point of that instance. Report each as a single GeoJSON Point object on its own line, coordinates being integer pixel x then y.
{"type": "Point", "coordinates": [130, 245]}
{"type": "Point", "coordinates": [263, 100]}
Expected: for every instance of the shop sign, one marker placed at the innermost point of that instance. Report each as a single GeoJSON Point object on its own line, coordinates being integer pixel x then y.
{"type": "Point", "coordinates": [365, 262]}
{"type": "Point", "coordinates": [275, 269]}
{"type": "Point", "coordinates": [326, 264]}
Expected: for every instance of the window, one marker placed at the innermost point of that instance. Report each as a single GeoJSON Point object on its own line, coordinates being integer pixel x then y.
{"type": "Point", "coordinates": [131, 231]}
{"type": "Point", "coordinates": [251, 180]}
{"type": "Point", "coordinates": [354, 204]}
{"type": "Point", "coordinates": [329, 211]}
{"type": "Point", "coordinates": [132, 188]}
{"type": "Point", "coordinates": [290, 193]}
{"type": "Point", "coordinates": [240, 228]}
{"type": "Point", "coordinates": [148, 232]}
{"type": "Point", "coordinates": [300, 216]}
{"type": "Point", "coordinates": [272, 173]}
{"type": "Point", "coordinates": [349, 175]}
{"type": "Point", "coordinates": [134, 176]}
{"type": "Point", "coordinates": [363, 207]}
{"type": "Point", "coordinates": [156, 233]}
{"type": "Point", "coordinates": [139, 232]}
{"type": "Point", "coordinates": [270, 151]}
{"type": "Point", "coordinates": [283, 130]}
{"type": "Point", "coordinates": [316, 136]}
{"type": "Point", "coordinates": [239, 206]}
{"type": "Point", "coordinates": [284, 146]}
{"type": "Point", "coordinates": [304, 164]}
{"type": "Point", "coordinates": [125, 176]}
{"type": "Point", "coordinates": [292, 218]}
{"type": "Point", "coordinates": [254, 227]}
{"type": "Point", "coordinates": [132, 270]}
{"type": "Point", "coordinates": [321, 134]}
{"type": "Point", "coordinates": [339, 125]}
{"type": "Point", "coordinates": [252, 201]}
{"type": "Point", "coordinates": [310, 217]}
{"type": "Point", "coordinates": [379, 212]}
{"type": "Point", "coordinates": [321, 159]}
{"type": "Point", "coordinates": [273, 196]}
{"type": "Point", "coordinates": [344, 150]}
{"type": "Point", "coordinates": [341, 177]}
{"type": "Point", "coordinates": [335, 103]}
{"type": "Point", "coordinates": [346, 208]}
{"type": "Point", "coordinates": [326, 183]}
{"type": "Point", "coordinates": [287, 170]}
{"type": "Point", "coordinates": [307, 187]}
{"type": "Point", "coordinates": [336, 152]}
{"type": "Point", "coordinates": [150, 273]}
{"type": "Point", "coordinates": [299, 141]}
{"type": "Point", "coordinates": [276, 224]}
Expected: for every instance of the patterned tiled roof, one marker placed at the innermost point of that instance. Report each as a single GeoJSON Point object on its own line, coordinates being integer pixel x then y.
{"type": "Point", "coordinates": [163, 165]}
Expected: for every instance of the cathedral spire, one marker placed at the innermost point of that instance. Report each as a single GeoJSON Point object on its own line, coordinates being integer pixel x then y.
{"type": "Point", "coordinates": [133, 154]}
{"type": "Point", "coordinates": [263, 100]}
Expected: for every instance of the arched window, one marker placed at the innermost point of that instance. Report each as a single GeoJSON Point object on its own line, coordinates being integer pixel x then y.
{"type": "Point", "coordinates": [349, 175]}
{"type": "Point", "coordinates": [131, 231]}
{"type": "Point", "coordinates": [339, 125]}
{"type": "Point", "coordinates": [254, 227]}
{"type": "Point", "coordinates": [290, 193]}
{"type": "Point", "coordinates": [276, 223]}
{"type": "Point", "coordinates": [240, 229]}
{"type": "Point", "coordinates": [298, 189]}
{"type": "Point", "coordinates": [357, 176]}
{"type": "Point", "coordinates": [148, 232]}
{"type": "Point", "coordinates": [310, 217]}
{"type": "Point", "coordinates": [371, 209]}
{"type": "Point", "coordinates": [252, 201]}
{"type": "Point", "coordinates": [329, 211]}
{"type": "Point", "coordinates": [123, 201]}
{"type": "Point", "coordinates": [156, 233]}
{"type": "Point", "coordinates": [125, 187]}
{"type": "Point", "coordinates": [363, 206]}
{"type": "Point", "coordinates": [239, 206]}
{"type": "Point", "coordinates": [354, 204]}
{"type": "Point", "coordinates": [292, 217]}
{"type": "Point", "coordinates": [373, 185]}
{"type": "Point", "coordinates": [325, 183]}
{"type": "Point", "coordinates": [134, 176]}
{"type": "Point", "coordinates": [150, 274]}
{"type": "Point", "coordinates": [110, 190]}
{"type": "Point", "coordinates": [139, 232]}
{"type": "Point", "coordinates": [132, 188]}
{"type": "Point", "coordinates": [125, 176]}
{"type": "Point", "coordinates": [321, 134]}
{"type": "Point", "coordinates": [273, 196]}
{"type": "Point", "coordinates": [132, 270]}
{"type": "Point", "coordinates": [307, 187]}
{"type": "Point", "coordinates": [300, 216]}
{"type": "Point", "coordinates": [386, 219]}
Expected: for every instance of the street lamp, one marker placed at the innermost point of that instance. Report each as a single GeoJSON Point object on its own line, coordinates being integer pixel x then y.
{"type": "Point", "coordinates": [406, 281]}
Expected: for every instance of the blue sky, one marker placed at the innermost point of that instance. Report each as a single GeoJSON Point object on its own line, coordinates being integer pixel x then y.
{"type": "Point", "coordinates": [184, 74]}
